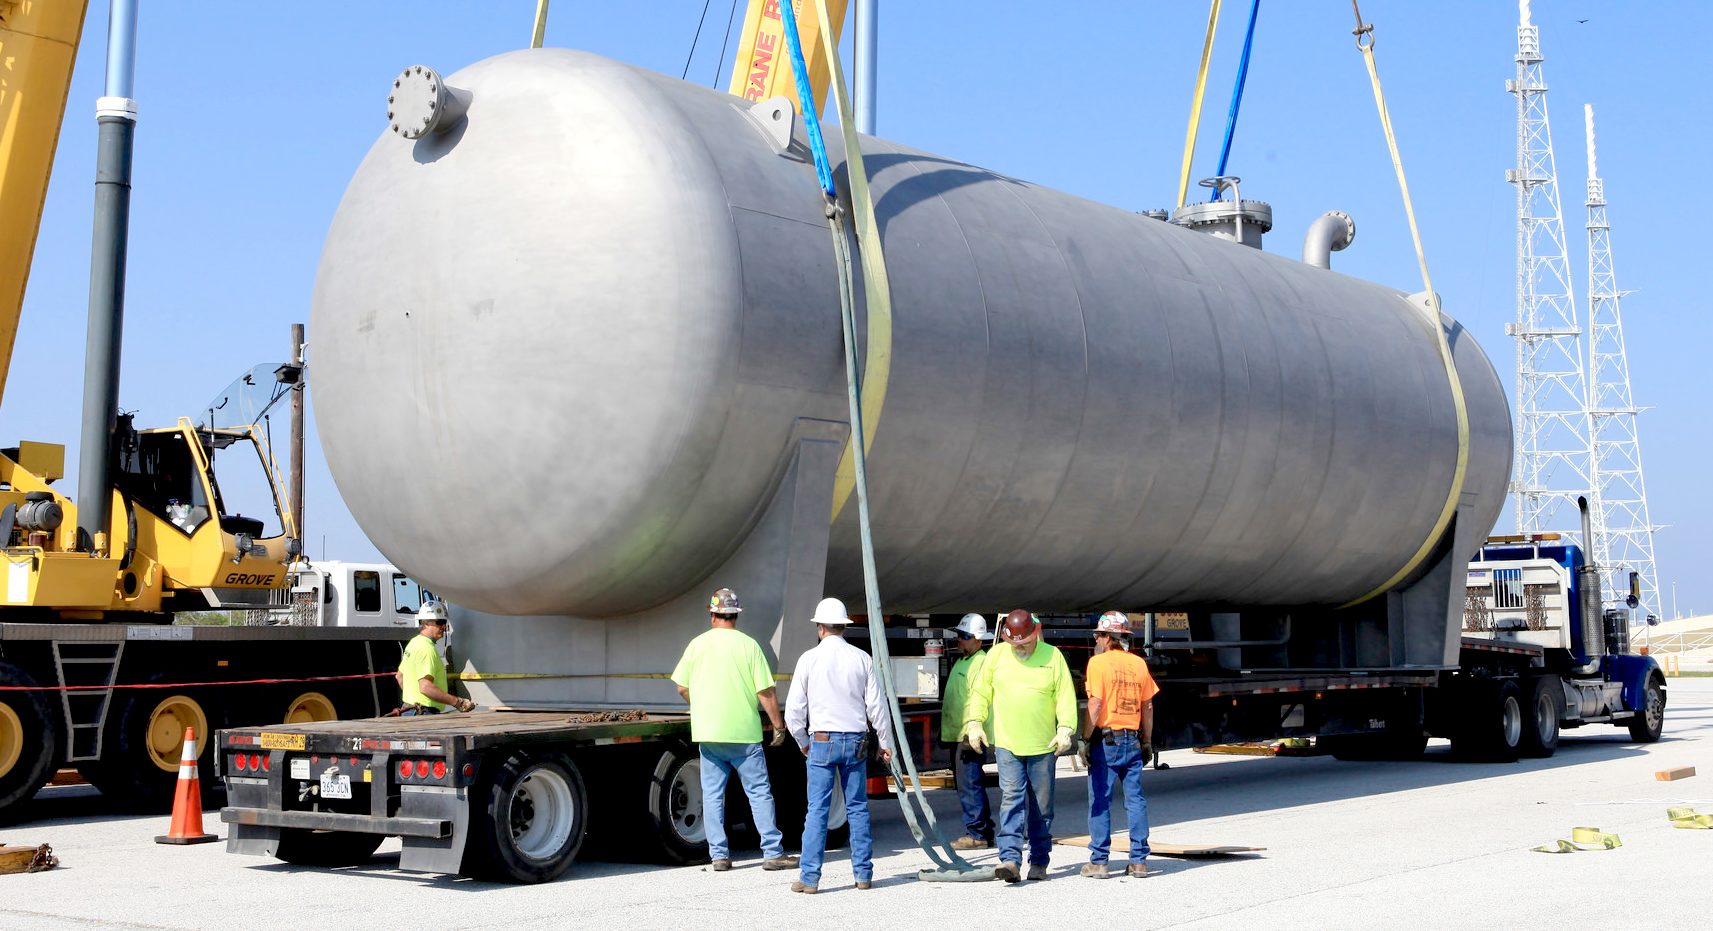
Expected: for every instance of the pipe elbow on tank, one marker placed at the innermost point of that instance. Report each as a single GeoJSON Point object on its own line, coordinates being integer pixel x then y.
{"type": "Point", "coordinates": [1333, 232]}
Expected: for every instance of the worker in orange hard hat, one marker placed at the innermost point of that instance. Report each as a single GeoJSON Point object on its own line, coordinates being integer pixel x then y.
{"type": "Point", "coordinates": [724, 675]}
{"type": "Point", "coordinates": [1027, 687]}
{"type": "Point", "coordinates": [1119, 734]}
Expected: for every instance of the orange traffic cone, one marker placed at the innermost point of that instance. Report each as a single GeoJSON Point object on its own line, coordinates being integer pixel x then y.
{"type": "Point", "coordinates": [187, 801]}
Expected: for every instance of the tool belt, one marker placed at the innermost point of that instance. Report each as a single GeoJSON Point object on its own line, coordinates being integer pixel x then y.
{"type": "Point", "coordinates": [418, 709]}
{"type": "Point", "coordinates": [1109, 735]}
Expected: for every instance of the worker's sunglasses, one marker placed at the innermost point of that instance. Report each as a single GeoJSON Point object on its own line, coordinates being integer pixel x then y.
{"type": "Point", "coordinates": [440, 622]}
{"type": "Point", "coordinates": [965, 636]}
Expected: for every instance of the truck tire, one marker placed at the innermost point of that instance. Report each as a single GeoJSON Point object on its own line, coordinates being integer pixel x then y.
{"type": "Point", "coordinates": [677, 833]}
{"type": "Point", "coordinates": [1491, 721]}
{"type": "Point", "coordinates": [29, 742]}
{"type": "Point", "coordinates": [1540, 721]}
{"type": "Point", "coordinates": [528, 817]}
{"type": "Point", "coordinates": [304, 847]}
{"type": "Point", "coordinates": [1649, 722]}
{"type": "Point", "coordinates": [140, 751]}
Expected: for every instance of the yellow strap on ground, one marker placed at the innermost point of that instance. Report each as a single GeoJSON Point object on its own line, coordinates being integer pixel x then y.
{"type": "Point", "coordinates": [1195, 102]}
{"type": "Point", "coordinates": [1365, 42]}
{"type": "Point", "coordinates": [876, 286]}
{"type": "Point", "coordinates": [1595, 837]}
{"type": "Point", "coordinates": [540, 24]}
{"type": "Point", "coordinates": [1688, 818]}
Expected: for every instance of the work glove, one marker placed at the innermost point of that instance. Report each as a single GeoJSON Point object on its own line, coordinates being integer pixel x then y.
{"type": "Point", "coordinates": [778, 738]}
{"type": "Point", "coordinates": [974, 736]}
{"type": "Point", "coordinates": [1147, 753]}
{"type": "Point", "coordinates": [465, 704]}
{"type": "Point", "coordinates": [1082, 754]}
{"type": "Point", "coordinates": [1062, 741]}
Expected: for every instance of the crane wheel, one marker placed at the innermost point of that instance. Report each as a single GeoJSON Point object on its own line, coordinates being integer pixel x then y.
{"type": "Point", "coordinates": [29, 741]}
{"type": "Point", "coordinates": [140, 751]}
{"type": "Point", "coordinates": [310, 707]}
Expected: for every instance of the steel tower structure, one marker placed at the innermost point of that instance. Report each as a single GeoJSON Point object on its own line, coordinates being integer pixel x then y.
{"type": "Point", "coordinates": [1553, 450]}
{"type": "Point", "coordinates": [1623, 532]}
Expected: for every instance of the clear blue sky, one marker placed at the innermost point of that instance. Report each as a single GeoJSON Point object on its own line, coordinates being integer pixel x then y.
{"type": "Point", "coordinates": [252, 122]}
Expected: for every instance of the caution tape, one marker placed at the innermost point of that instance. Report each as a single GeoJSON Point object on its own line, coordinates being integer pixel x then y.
{"type": "Point", "coordinates": [189, 685]}
{"type": "Point", "coordinates": [1582, 839]}
{"type": "Point", "coordinates": [494, 676]}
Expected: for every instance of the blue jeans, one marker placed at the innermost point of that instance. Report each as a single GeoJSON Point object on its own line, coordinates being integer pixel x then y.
{"type": "Point", "coordinates": [719, 761]}
{"type": "Point", "coordinates": [972, 795]}
{"type": "Point", "coordinates": [838, 760]}
{"type": "Point", "coordinates": [1025, 794]}
{"type": "Point", "coordinates": [1115, 760]}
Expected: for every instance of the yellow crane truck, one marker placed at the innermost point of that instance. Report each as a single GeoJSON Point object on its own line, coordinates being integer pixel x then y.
{"type": "Point", "coordinates": [93, 673]}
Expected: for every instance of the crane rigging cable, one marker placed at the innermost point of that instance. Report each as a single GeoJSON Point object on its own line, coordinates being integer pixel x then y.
{"type": "Point", "coordinates": [1364, 33]}
{"type": "Point", "coordinates": [540, 31]}
{"type": "Point", "coordinates": [1195, 102]}
{"type": "Point", "coordinates": [1236, 95]}
{"type": "Point", "coordinates": [877, 291]}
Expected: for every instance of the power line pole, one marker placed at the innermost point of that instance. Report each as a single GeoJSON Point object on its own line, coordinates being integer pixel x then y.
{"type": "Point", "coordinates": [1553, 447]}
{"type": "Point", "coordinates": [1623, 532]}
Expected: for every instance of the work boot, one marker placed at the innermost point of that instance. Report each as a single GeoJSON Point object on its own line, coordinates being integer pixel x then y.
{"type": "Point", "coordinates": [803, 887]}
{"type": "Point", "coordinates": [1006, 871]}
{"type": "Point", "coordinates": [1037, 871]}
{"type": "Point", "coordinates": [971, 842]}
{"type": "Point", "coordinates": [1138, 871]}
{"type": "Point", "coordinates": [1095, 870]}
{"type": "Point", "coordinates": [785, 862]}
{"type": "Point", "coordinates": [864, 884]}
{"type": "Point", "coordinates": [720, 866]}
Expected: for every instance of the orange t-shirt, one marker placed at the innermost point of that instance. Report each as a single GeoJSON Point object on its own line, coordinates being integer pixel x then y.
{"type": "Point", "coordinates": [1122, 683]}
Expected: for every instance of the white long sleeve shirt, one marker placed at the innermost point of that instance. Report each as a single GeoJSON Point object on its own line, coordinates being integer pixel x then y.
{"type": "Point", "coordinates": [834, 689]}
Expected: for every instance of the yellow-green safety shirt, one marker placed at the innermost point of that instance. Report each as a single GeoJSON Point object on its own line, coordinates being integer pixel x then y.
{"type": "Point", "coordinates": [725, 671]}
{"type": "Point", "coordinates": [953, 701]}
{"type": "Point", "coordinates": [1028, 700]}
{"type": "Point", "coordinates": [421, 661]}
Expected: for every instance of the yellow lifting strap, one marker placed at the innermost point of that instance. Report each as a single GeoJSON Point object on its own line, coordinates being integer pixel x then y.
{"type": "Point", "coordinates": [1195, 102]}
{"type": "Point", "coordinates": [540, 24]}
{"type": "Point", "coordinates": [1688, 818]}
{"type": "Point", "coordinates": [1365, 42]}
{"type": "Point", "coordinates": [1582, 839]}
{"type": "Point", "coordinates": [876, 286]}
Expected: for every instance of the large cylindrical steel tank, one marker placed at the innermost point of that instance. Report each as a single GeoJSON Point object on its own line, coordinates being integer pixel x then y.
{"type": "Point", "coordinates": [560, 348]}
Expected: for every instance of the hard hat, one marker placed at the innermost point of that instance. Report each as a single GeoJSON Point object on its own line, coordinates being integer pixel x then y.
{"type": "Point", "coordinates": [1113, 622]}
{"type": "Point", "coordinates": [432, 612]}
{"type": "Point", "coordinates": [976, 626]}
{"type": "Point", "coordinates": [831, 612]}
{"type": "Point", "coordinates": [1019, 626]}
{"type": "Point", "coordinates": [724, 601]}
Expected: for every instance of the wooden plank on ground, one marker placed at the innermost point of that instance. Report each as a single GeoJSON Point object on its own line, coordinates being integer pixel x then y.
{"type": "Point", "coordinates": [1121, 845]}
{"type": "Point", "coordinates": [1675, 773]}
{"type": "Point", "coordinates": [16, 858]}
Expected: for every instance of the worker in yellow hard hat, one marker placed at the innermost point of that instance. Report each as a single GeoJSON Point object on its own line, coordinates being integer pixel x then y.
{"type": "Point", "coordinates": [1027, 687]}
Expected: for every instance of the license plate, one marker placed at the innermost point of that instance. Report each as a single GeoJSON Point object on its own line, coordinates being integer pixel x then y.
{"type": "Point", "coordinates": [335, 786]}
{"type": "Point", "coordinates": [281, 741]}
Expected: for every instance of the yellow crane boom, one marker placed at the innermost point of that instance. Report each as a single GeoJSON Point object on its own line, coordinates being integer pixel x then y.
{"type": "Point", "coordinates": [763, 71]}
{"type": "Point", "coordinates": [38, 46]}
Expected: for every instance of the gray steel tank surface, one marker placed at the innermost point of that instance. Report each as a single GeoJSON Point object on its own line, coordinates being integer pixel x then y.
{"type": "Point", "coordinates": [563, 350]}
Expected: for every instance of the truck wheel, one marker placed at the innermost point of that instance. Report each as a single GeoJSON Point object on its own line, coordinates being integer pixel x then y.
{"type": "Point", "coordinates": [140, 751]}
{"type": "Point", "coordinates": [529, 816]}
{"type": "Point", "coordinates": [309, 707]}
{"type": "Point", "coordinates": [326, 848]}
{"type": "Point", "coordinates": [675, 807]}
{"type": "Point", "coordinates": [1649, 723]}
{"type": "Point", "coordinates": [1540, 733]}
{"type": "Point", "coordinates": [1491, 728]}
{"type": "Point", "coordinates": [29, 741]}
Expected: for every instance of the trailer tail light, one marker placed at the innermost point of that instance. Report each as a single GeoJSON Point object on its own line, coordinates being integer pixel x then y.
{"type": "Point", "coordinates": [268, 763]}
{"type": "Point", "coordinates": [404, 769]}
{"type": "Point", "coordinates": [422, 769]}
{"type": "Point", "coordinates": [238, 762]}
{"type": "Point", "coordinates": [355, 762]}
{"type": "Point", "coordinates": [469, 770]}
{"type": "Point", "coordinates": [440, 769]}
{"type": "Point", "coordinates": [256, 762]}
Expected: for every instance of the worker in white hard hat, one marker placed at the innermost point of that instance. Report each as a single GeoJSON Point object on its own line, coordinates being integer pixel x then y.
{"type": "Point", "coordinates": [724, 676]}
{"type": "Point", "coordinates": [1118, 734]}
{"type": "Point", "coordinates": [973, 636]}
{"type": "Point", "coordinates": [835, 700]}
{"type": "Point", "coordinates": [1027, 686]}
{"type": "Point", "coordinates": [422, 673]}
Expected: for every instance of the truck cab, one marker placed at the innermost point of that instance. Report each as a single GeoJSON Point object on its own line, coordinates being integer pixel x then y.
{"type": "Point", "coordinates": [348, 594]}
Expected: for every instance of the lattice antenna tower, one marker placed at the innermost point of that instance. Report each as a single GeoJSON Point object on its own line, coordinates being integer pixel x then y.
{"type": "Point", "coordinates": [1623, 532]}
{"type": "Point", "coordinates": [1552, 431]}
